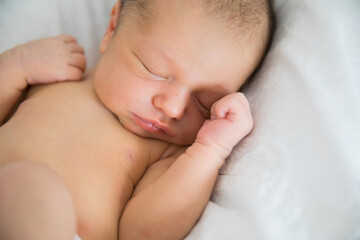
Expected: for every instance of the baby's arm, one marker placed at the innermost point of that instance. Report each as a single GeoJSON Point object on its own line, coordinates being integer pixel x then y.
{"type": "Point", "coordinates": [173, 193]}
{"type": "Point", "coordinates": [41, 61]}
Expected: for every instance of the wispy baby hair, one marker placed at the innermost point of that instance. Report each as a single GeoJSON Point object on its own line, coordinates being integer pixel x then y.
{"type": "Point", "coordinates": [247, 15]}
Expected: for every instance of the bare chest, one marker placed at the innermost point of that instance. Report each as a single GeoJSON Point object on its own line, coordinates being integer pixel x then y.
{"type": "Point", "coordinates": [72, 133]}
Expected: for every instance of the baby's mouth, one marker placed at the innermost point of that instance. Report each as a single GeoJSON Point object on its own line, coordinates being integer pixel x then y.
{"type": "Point", "coordinates": [152, 126]}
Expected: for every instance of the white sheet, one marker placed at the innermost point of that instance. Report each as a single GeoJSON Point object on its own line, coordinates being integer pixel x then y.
{"type": "Point", "coordinates": [297, 176]}
{"type": "Point", "coordinates": [25, 20]}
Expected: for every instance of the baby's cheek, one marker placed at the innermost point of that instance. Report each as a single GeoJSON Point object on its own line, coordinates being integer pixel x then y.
{"type": "Point", "coordinates": [105, 93]}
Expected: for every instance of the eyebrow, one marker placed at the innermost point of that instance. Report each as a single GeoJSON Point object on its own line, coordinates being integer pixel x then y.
{"type": "Point", "coordinates": [157, 48]}
{"type": "Point", "coordinates": [146, 44]}
{"type": "Point", "coordinates": [173, 66]}
{"type": "Point", "coordinates": [170, 67]}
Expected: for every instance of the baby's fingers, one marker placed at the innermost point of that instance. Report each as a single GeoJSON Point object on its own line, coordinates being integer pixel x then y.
{"type": "Point", "coordinates": [67, 38]}
{"type": "Point", "coordinates": [77, 60]}
{"type": "Point", "coordinates": [75, 48]}
{"type": "Point", "coordinates": [234, 108]}
{"type": "Point", "coordinates": [230, 106]}
{"type": "Point", "coordinates": [70, 73]}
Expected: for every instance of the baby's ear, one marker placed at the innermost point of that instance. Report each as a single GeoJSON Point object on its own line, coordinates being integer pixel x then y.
{"type": "Point", "coordinates": [115, 12]}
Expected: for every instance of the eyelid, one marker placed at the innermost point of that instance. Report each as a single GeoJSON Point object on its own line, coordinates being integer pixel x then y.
{"type": "Point", "coordinates": [203, 107]}
{"type": "Point", "coordinates": [158, 77]}
{"type": "Point", "coordinates": [155, 76]}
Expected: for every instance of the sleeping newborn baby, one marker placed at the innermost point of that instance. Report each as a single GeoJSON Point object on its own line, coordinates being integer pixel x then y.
{"type": "Point", "coordinates": [132, 150]}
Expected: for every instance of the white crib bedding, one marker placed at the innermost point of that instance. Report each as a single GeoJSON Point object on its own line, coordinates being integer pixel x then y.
{"type": "Point", "coordinates": [297, 175]}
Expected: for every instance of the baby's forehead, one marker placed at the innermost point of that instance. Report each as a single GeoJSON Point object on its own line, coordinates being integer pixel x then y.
{"type": "Point", "coordinates": [240, 13]}
{"type": "Point", "coordinates": [248, 20]}
{"type": "Point", "coordinates": [201, 43]}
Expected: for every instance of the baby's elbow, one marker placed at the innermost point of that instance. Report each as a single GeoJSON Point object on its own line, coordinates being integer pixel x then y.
{"type": "Point", "coordinates": [135, 231]}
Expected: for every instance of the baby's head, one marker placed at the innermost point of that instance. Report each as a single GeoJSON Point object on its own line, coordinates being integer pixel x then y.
{"type": "Point", "coordinates": [166, 62]}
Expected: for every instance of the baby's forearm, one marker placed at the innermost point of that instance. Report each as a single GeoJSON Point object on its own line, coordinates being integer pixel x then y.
{"type": "Point", "coordinates": [12, 81]}
{"type": "Point", "coordinates": [46, 60]}
{"type": "Point", "coordinates": [169, 207]}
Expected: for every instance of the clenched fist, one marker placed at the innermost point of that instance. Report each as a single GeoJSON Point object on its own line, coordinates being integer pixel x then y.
{"type": "Point", "coordinates": [230, 121]}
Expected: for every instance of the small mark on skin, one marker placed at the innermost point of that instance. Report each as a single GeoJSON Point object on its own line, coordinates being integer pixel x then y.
{"type": "Point", "coordinates": [132, 160]}
{"type": "Point", "coordinates": [130, 157]}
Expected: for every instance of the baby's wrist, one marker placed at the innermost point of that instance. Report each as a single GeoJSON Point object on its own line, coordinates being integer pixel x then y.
{"type": "Point", "coordinates": [11, 62]}
{"type": "Point", "coordinates": [213, 156]}
{"type": "Point", "coordinates": [25, 59]}
{"type": "Point", "coordinates": [220, 147]}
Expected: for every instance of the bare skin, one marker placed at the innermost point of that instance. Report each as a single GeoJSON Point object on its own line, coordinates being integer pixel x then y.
{"type": "Point", "coordinates": [112, 164]}
{"type": "Point", "coordinates": [125, 161]}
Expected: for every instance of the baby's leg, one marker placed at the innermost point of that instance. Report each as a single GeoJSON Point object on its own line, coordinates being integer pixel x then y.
{"type": "Point", "coordinates": [35, 204]}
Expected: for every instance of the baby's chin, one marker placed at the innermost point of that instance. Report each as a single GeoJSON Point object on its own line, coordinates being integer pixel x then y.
{"type": "Point", "coordinates": [184, 141]}
{"type": "Point", "coordinates": [176, 140]}
{"type": "Point", "coordinates": [173, 140]}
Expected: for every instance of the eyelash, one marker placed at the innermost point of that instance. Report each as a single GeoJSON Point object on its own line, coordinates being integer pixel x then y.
{"type": "Point", "coordinates": [204, 110]}
{"type": "Point", "coordinates": [155, 76]}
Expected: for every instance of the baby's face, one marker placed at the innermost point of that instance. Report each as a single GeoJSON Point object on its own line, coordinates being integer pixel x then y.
{"type": "Point", "coordinates": [161, 80]}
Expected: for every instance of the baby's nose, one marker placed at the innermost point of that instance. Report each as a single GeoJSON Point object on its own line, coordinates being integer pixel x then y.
{"type": "Point", "coordinates": [172, 103]}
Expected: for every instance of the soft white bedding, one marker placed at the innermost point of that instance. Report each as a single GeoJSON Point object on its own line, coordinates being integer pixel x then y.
{"type": "Point", "coordinates": [297, 176]}
{"type": "Point", "coordinates": [25, 20]}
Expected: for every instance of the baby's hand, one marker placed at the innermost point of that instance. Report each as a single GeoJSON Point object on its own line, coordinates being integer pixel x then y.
{"type": "Point", "coordinates": [52, 59]}
{"type": "Point", "coordinates": [230, 122]}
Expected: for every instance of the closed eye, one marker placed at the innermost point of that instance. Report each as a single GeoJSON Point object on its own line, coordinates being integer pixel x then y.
{"type": "Point", "coordinates": [154, 76]}
{"type": "Point", "coordinates": [204, 110]}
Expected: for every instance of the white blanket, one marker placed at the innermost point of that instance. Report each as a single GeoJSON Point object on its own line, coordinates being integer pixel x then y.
{"type": "Point", "coordinates": [297, 175]}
